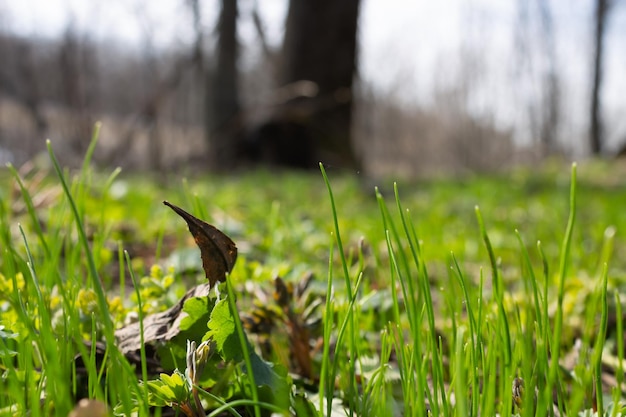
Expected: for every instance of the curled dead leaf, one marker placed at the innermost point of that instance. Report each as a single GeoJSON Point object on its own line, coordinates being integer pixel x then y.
{"type": "Point", "coordinates": [217, 250]}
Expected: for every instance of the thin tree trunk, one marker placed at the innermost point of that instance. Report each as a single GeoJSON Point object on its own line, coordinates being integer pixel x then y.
{"type": "Point", "coordinates": [596, 131]}
{"type": "Point", "coordinates": [551, 86]}
{"type": "Point", "coordinates": [222, 91]}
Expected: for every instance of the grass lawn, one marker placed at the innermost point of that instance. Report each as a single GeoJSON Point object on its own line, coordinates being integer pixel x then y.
{"type": "Point", "coordinates": [480, 295]}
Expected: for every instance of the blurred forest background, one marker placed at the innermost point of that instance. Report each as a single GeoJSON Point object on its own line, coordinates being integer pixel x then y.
{"type": "Point", "coordinates": [398, 87]}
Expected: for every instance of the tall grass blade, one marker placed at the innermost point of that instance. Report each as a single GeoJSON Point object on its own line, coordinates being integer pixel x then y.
{"type": "Point", "coordinates": [351, 294]}
{"type": "Point", "coordinates": [503, 328]}
{"type": "Point", "coordinates": [475, 339]}
{"type": "Point", "coordinates": [45, 340]}
{"type": "Point", "coordinates": [532, 280]}
{"type": "Point", "coordinates": [93, 273]}
{"type": "Point", "coordinates": [117, 380]}
{"type": "Point", "coordinates": [411, 358]}
{"type": "Point", "coordinates": [600, 340]}
{"type": "Point", "coordinates": [142, 347]}
{"type": "Point", "coordinates": [619, 336]}
{"type": "Point", "coordinates": [243, 340]}
{"type": "Point", "coordinates": [563, 264]}
{"type": "Point", "coordinates": [327, 377]}
{"type": "Point", "coordinates": [30, 209]}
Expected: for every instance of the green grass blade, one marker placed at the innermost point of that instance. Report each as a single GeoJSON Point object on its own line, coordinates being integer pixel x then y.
{"type": "Point", "coordinates": [30, 209]}
{"type": "Point", "coordinates": [90, 150]}
{"type": "Point", "coordinates": [344, 264]}
{"type": "Point", "coordinates": [243, 340]}
{"type": "Point", "coordinates": [460, 378]}
{"type": "Point", "coordinates": [142, 347]}
{"type": "Point", "coordinates": [93, 273]}
{"type": "Point", "coordinates": [474, 338]}
{"type": "Point", "coordinates": [351, 294]}
{"type": "Point", "coordinates": [532, 280]}
{"type": "Point", "coordinates": [44, 338]}
{"type": "Point", "coordinates": [619, 336]}
{"type": "Point", "coordinates": [503, 328]}
{"type": "Point", "coordinates": [117, 380]}
{"type": "Point", "coordinates": [327, 382]}
{"type": "Point", "coordinates": [412, 374]}
{"type": "Point", "coordinates": [600, 340]}
{"type": "Point", "coordinates": [347, 326]}
{"type": "Point", "coordinates": [563, 264]}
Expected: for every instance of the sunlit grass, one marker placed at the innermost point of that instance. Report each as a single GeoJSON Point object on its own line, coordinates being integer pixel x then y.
{"type": "Point", "coordinates": [427, 301]}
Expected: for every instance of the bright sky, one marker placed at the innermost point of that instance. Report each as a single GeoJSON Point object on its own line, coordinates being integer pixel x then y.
{"type": "Point", "coordinates": [409, 47]}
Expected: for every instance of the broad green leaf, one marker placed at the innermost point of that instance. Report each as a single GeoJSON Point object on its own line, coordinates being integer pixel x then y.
{"type": "Point", "coordinates": [268, 375]}
{"type": "Point", "coordinates": [222, 331]}
{"type": "Point", "coordinates": [198, 310]}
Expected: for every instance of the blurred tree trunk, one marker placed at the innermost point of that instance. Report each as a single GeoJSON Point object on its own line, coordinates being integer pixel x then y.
{"type": "Point", "coordinates": [77, 63]}
{"type": "Point", "coordinates": [222, 101]}
{"type": "Point", "coordinates": [31, 96]}
{"type": "Point", "coordinates": [537, 63]}
{"type": "Point", "coordinates": [601, 13]}
{"type": "Point", "coordinates": [551, 85]}
{"type": "Point", "coordinates": [320, 47]}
